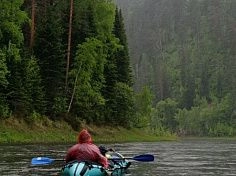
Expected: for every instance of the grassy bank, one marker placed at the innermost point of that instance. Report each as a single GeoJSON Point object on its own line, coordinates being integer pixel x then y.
{"type": "Point", "coordinates": [46, 131]}
{"type": "Point", "coordinates": [207, 138]}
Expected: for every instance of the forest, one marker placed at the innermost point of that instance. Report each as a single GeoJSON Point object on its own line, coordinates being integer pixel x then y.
{"type": "Point", "coordinates": [184, 52]}
{"type": "Point", "coordinates": [65, 60]}
{"type": "Point", "coordinates": [167, 66]}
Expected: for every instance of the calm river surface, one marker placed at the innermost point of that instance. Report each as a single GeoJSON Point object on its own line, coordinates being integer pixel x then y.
{"type": "Point", "coordinates": [185, 157]}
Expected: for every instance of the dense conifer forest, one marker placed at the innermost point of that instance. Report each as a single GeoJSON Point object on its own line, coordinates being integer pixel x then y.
{"type": "Point", "coordinates": [167, 66]}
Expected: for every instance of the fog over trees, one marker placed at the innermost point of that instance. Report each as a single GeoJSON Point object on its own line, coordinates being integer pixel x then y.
{"type": "Point", "coordinates": [184, 50]}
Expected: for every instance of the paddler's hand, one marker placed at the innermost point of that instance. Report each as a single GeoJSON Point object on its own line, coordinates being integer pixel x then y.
{"type": "Point", "coordinates": [111, 150]}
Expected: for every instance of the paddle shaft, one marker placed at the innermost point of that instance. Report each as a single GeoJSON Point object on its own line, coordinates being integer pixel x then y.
{"type": "Point", "coordinates": [46, 160]}
{"type": "Point", "coordinates": [59, 159]}
{"type": "Point", "coordinates": [142, 158]}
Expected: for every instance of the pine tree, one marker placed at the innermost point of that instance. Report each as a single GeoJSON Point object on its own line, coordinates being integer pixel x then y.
{"type": "Point", "coordinates": [122, 56]}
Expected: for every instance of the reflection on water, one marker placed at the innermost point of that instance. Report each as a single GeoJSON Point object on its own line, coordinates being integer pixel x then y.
{"type": "Point", "coordinates": [187, 157]}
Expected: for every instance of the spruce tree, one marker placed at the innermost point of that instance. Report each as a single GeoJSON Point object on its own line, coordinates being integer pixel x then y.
{"type": "Point", "coordinates": [122, 55]}
{"type": "Point", "coordinates": [111, 78]}
{"type": "Point", "coordinates": [50, 51]}
{"type": "Point", "coordinates": [33, 88]}
{"type": "Point", "coordinates": [117, 90]}
{"type": "Point", "coordinates": [83, 24]}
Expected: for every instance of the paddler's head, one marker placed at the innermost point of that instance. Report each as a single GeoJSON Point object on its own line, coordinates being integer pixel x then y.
{"type": "Point", "coordinates": [84, 137]}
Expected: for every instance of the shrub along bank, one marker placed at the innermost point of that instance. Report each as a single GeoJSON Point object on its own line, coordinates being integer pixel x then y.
{"type": "Point", "coordinates": [46, 131]}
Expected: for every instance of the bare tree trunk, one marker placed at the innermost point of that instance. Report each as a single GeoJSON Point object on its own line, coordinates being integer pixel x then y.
{"type": "Point", "coordinates": [161, 81]}
{"type": "Point", "coordinates": [73, 94]}
{"type": "Point", "coordinates": [159, 66]}
{"type": "Point", "coordinates": [32, 32]}
{"type": "Point", "coordinates": [69, 42]}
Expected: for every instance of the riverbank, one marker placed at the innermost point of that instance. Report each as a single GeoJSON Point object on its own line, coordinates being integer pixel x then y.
{"type": "Point", "coordinates": [47, 131]}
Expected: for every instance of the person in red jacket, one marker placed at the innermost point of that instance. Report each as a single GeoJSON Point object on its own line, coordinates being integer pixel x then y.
{"type": "Point", "coordinates": [85, 150]}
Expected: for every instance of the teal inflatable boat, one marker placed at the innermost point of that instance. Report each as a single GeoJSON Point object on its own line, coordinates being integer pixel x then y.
{"type": "Point", "coordinates": [118, 167]}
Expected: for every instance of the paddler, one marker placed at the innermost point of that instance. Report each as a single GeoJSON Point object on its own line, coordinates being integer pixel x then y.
{"type": "Point", "coordinates": [85, 150]}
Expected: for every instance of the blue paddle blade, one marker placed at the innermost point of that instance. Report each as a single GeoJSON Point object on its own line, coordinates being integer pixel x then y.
{"type": "Point", "coordinates": [144, 158]}
{"type": "Point", "coordinates": [41, 161]}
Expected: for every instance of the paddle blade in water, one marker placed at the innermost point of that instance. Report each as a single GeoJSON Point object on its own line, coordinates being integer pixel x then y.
{"type": "Point", "coordinates": [144, 158]}
{"type": "Point", "coordinates": [41, 161]}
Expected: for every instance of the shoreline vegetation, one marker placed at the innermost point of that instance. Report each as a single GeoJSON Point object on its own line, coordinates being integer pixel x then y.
{"type": "Point", "coordinates": [185, 86]}
{"type": "Point", "coordinates": [18, 131]}
{"type": "Point", "coordinates": [46, 131]}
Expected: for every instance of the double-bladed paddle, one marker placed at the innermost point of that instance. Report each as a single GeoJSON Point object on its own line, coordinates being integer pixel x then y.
{"type": "Point", "coordinates": [43, 160]}
{"type": "Point", "coordinates": [47, 160]}
{"type": "Point", "coordinates": [142, 158]}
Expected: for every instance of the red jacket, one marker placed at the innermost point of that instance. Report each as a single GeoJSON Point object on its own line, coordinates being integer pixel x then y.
{"type": "Point", "coordinates": [85, 150]}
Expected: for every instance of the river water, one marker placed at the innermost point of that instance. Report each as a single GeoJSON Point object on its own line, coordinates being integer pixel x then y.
{"type": "Point", "coordinates": [179, 158]}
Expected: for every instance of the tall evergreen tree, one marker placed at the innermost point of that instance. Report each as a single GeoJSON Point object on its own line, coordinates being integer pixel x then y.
{"type": "Point", "coordinates": [117, 75]}
{"type": "Point", "coordinates": [49, 49]}
{"type": "Point", "coordinates": [83, 24]}
{"type": "Point", "coordinates": [122, 56]}
{"type": "Point", "coordinates": [111, 78]}
{"type": "Point", "coordinates": [33, 89]}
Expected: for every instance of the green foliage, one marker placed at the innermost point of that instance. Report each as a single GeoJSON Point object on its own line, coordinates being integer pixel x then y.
{"type": "Point", "coordinates": [11, 37]}
{"type": "Point", "coordinates": [33, 118]}
{"type": "Point", "coordinates": [110, 76]}
{"type": "Point", "coordinates": [165, 114]}
{"type": "Point", "coordinates": [215, 119]}
{"type": "Point", "coordinates": [89, 67]}
{"type": "Point", "coordinates": [50, 51]}
{"type": "Point", "coordinates": [123, 113]}
{"type": "Point", "coordinates": [32, 79]}
{"type": "Point", "coordinates": [190, 122]}
{"type": "Point", "coordinates": [3, 73]}
{"type": "Point", "coordinates": [221, 130]}
{"type": "Point", "coordinates": [188, 54]}
{"type": "Point", "coordinates": [190, 58]}
{"type": "Point", "coordinates": [11, 19]}
{"type": "Point", "coordinates": [60, 105]}
{"type": "Point", "coordinates": [110, 68]}
{"type": "Point", "coordinates": [143, 107]}
{"type": "Point", "coordinates": [122, 55]}
{"type": "Point", "coordinates": [92, 18]}
{"type": "Point", "coordinates": [104, 16]}
{"type": "Point", "coordinates": [33, 89]}
{"type": "Point", "coordinates": [4, 109]}
{"type": "Point", "coordinates": [15, 89]}
{"type": "Point", "coordinates": [84, 23]}
{"type": "Point", "coordinates": [25, 92]}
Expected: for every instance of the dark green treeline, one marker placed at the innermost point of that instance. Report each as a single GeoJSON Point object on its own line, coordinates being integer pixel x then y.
{"type": "Point", "coordinates": [184, 50]}
{"type": "Point", "coordinates": [37, 45]}
{"type": "Point", "coordinates": [70, 59]}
